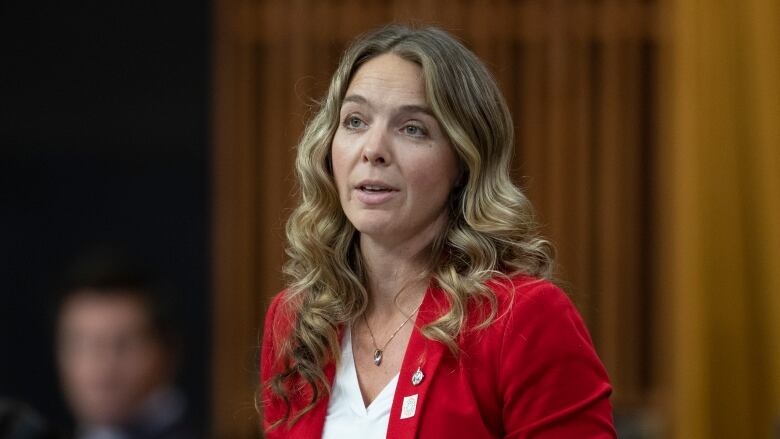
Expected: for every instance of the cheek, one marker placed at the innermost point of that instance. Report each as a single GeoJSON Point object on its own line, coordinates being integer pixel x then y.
{"type": "Point", "coordinates": [434, 177]}
{"type": "Point", "coordinates": [340, 162]}
{"type": "Point", "coordinates": [76, 372]}
{"type": "Point", "coordinates": [145, 367]}
{"type": "Point", "coordinates": [434, 188]}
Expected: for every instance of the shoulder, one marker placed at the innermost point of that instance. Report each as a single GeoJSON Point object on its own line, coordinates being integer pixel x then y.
{"type": "Point", "coordinates": [551, 378]}
{"type": "Point", "coordinates": [277, 324]}
{"type": "Point", "coordinates": [276, 300]}
{"type": "Point", "coordinates": [538, 311]}
{"type": "Point", "coordinates": [533, 318]}
{"type": "Point", "coordinates": [537, 325]}
{"type": "Point", "coordinates": [526, 288]}
{"type": "Point", "coordinates": [515, 302]}
{"type": "Point", "coordinates": [521, 298]}
{"type": "Point", "coordinates": [278, 316]}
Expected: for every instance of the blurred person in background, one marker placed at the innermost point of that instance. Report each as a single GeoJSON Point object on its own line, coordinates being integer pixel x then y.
{"type": "Point", "coordinates": [117, 350]}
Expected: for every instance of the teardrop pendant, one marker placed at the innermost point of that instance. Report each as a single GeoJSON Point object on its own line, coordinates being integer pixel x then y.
{"type": "Point", "coordinates": [377, 357]}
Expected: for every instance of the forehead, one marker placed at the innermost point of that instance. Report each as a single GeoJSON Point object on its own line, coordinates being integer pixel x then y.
{"type": "Point", "coordinates": [102, 311]}
{"type": "Point", "coordinates": [389, 78]}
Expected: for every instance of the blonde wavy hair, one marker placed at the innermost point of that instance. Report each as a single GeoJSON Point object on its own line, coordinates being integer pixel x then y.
{"type": "Point", "coordinates": [491, 229]}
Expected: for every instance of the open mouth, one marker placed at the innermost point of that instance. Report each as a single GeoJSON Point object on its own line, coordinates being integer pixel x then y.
{"type": "Point", "coordinates": [374, 188]}
{"type": "Point", "coordinates": [374, 192]}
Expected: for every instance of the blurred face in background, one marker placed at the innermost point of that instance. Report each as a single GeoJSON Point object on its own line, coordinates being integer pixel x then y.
{"type": "Point", "coordinates": [110, 360]}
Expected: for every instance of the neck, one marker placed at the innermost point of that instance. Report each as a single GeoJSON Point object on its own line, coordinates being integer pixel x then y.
{"type": "Point", "coordinates": [396, 272]}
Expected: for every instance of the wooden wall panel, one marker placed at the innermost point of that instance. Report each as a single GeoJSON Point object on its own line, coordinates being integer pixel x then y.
{"type": "Point", "coordinates": [574, 74]}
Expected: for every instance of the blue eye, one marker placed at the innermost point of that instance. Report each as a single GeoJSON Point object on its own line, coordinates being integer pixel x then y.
{"type": "Point", "coordinates": [415, 130]}
{"type": "Point", "coordinates": [353, 123]}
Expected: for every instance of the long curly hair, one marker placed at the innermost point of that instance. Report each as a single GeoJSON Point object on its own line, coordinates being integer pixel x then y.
{"type": "Point", "coordinates": [490, 231]}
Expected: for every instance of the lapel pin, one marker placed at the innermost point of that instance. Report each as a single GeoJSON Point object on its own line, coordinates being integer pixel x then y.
{"type": "Point", "coordinates": [417, 377]}
{"type": "Point", "coordinates": [409, 407]}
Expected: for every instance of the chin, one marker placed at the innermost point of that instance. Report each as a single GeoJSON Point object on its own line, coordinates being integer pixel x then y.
{"type": "Point", "coordinates": [374, 230]}
{"type": "Point", "coordinates": [373, 223]}
{"type": "Point", "coordinates": [106, 410]}
{"type": "Point", "coordinates": [104, 416]}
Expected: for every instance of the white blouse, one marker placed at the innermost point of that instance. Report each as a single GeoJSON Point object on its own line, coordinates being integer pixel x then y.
{"type": "Point", "coordinates": [348, 417]}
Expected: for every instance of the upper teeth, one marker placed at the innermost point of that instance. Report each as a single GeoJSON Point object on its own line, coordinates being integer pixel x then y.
{"type": "Point", "coordinates": [374, 188]}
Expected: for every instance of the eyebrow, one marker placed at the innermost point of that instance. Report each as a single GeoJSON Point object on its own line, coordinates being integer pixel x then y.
{"type": "Point", "coordinates": [424, 109]}
{"type": "Point", "coordinates": [356, 99]}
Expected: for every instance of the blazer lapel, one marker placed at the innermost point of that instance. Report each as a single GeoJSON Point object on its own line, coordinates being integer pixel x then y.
{"type": "Point", "coordinates": [423, 354]}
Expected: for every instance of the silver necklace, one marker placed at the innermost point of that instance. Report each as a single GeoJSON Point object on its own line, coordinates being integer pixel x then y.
{"type": "Point", "coordinates": [379, 352]}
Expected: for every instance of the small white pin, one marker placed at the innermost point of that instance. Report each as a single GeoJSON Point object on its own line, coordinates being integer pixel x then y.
{"type": "Point", "coordinates": [409, 406]}
{"type": "Point", "coordinates": [417, 377]}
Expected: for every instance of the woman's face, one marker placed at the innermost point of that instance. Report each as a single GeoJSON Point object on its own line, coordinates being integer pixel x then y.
{"type": "Point", "coordinates": [394, 167]}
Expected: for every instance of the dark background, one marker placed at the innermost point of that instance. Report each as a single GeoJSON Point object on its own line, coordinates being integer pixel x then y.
{"type": "Point", "coordinates": [104, 140]}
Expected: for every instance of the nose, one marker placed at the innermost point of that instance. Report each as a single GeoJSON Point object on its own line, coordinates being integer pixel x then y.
{"type": "Point", "coordinates": [376, 149]}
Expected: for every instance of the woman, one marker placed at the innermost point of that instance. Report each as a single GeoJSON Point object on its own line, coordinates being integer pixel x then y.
{"type": "Point", "coordinates": [417, 304]}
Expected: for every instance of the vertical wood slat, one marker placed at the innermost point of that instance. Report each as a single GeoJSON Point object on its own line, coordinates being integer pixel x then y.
{"type": "Point", "coordinates": [270, 119]}
{"type": "Point", "coordinates": [532, 139]}
{"type": "Point", "coordinates": [554, 174]}
{"type": "Point", "coordinates": [577, 151]}
{"type": "Point", "coordinates": [627, 287]}
{"type": "Point", "coordinates": [235, 226]}
{"type": "Point", "coordinates": [581, 274]}
{"type": "Point", "coordinates": [607, 186]}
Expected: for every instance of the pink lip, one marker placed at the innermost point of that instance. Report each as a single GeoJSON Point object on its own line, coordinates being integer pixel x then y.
{"type": "Point", "coordinates": [374, 198]}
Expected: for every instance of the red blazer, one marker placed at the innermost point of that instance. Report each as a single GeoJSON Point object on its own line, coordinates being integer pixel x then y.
{"type": "Point", "coordinates": [533, 373]}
